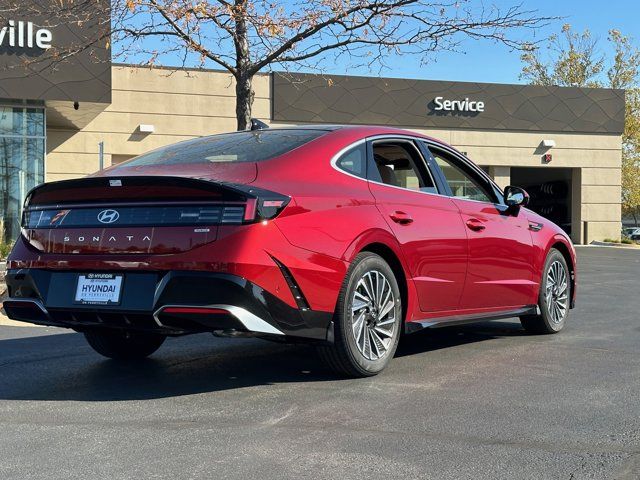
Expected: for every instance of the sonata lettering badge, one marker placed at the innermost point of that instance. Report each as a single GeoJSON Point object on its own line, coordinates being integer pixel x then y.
{"type": "Point", "coordinates": [110, 238]}
{"type": "Point", "coordinates": [466, 105]}
{"type": "Point", "coordinates": [99, 289]}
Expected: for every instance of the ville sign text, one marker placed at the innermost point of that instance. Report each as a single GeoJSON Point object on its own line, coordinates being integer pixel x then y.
{"type": "Point", "coordinates": [20, 34]}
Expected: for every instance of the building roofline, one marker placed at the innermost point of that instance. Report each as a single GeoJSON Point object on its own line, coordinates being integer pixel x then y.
{"type": "Point", "coordinates": [344, 76]}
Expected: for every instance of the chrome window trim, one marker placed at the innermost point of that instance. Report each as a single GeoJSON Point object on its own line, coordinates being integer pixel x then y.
{"type": "Point", "coordinates": [342, 151]}
{"type": "Point", "coordinates": [335, 158]}
{"type": "Point", "coordinates": [428, 141]}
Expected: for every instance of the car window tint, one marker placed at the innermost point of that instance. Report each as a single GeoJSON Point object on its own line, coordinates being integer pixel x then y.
{"type": "Point", "coordinates": [461, 183]}
{"type": "Point", "coordinates": [354, 161]}
{"type": "Point", "coordinates": [253, 146]}
{"type": "Point", "coordinates": [397, 165]}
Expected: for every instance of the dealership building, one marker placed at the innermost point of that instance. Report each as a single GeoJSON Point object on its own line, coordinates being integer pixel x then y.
{"type": "Point", "coordinates": [561, 144]}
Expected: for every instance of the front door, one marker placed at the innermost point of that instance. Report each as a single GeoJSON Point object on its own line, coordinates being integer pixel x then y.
{"type": "Point", "coordinates": [500, 272]}
{"type": "Point", "coordinates": [427, 225]}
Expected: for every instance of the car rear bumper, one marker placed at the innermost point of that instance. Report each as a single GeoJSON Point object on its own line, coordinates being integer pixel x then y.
{"type": "Point", "coordinates": [171, 303]}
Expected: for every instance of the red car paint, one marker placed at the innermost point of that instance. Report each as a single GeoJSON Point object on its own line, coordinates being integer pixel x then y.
{"type": "Point", "coordinates": [458, 257]}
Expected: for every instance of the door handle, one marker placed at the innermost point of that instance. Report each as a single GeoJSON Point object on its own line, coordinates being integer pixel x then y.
{"type": "Point", "coordinates": [401, 217]}
{"type": "Point", "coordinates": [475, 225]}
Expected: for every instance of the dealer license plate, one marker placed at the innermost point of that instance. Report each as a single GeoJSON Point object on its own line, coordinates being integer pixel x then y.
{"type": "Point", "coordinates": [99, 289]}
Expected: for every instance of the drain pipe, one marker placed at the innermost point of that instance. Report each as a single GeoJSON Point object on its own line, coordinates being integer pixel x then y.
{"type": "Point", "coordinates": [101, 154]}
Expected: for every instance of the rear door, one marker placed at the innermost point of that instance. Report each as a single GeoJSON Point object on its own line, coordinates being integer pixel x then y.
{"type": "Point", "coordinates": [500, 272]}
{"type": "Point", "coordinates": [427, 224]}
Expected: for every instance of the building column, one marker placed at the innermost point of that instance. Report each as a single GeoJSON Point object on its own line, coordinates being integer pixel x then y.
{"type": "Point", "coordinates": [577, 227]}
{"type": "Point", "coordinates": [600, 204]}
{"type": "Point", "coordinates": [501, 175]}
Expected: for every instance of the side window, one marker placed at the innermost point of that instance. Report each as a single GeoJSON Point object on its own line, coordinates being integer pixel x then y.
{"type": "Point", "coordinates": [399, 164]}
{"type": "Point", "coordinates": [354, 161]}
{"type": "Point", "coordinates": [463, 184]}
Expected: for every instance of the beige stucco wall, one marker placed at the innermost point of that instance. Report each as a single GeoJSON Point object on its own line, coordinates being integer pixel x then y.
{"type": "Point", "coordinates": [182, 105]}
{"type": "Point", "coordinates": [595, 160]}
{"type": "Point", "coordinates": [179, 104]}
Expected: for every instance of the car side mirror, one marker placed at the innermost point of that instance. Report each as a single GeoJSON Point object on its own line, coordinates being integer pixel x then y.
{"type": "Point", "coordinates": [515, 197]}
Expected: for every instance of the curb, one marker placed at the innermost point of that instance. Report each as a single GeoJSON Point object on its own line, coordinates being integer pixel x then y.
{"type": "Point", "coordinates": [7, 322]}
{"type": "Point", "coordinates": [614, 245]}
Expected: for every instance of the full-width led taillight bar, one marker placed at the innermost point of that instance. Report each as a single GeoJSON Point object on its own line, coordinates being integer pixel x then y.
{"type": "Point", "coordinates": [79, 216]}
{"type": "Point", "coordinates": [169, 201]}
{"type": "Point", "coordinates": [254, 209]}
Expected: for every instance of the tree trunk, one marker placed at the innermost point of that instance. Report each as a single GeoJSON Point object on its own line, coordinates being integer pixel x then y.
{"type": "Point", "coordinates": [244, 75]}
{"type": "Point", "coordinates": [244, 101]}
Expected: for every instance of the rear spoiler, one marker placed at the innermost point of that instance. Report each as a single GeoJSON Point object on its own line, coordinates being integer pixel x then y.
{"type": "Point", "coordinates": [153, 190]}
{"type": "Point", "coordinates": [107, 189]}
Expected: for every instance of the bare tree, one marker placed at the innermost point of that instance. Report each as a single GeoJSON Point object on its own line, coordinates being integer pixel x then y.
{"type": "Point", "coordinates": [246, 37]}
{"type": "Point", "coordinates": [249, 36]}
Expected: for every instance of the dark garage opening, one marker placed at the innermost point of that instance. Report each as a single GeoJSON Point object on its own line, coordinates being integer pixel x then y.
{"type": "Point", "coordinates": [550, 191]}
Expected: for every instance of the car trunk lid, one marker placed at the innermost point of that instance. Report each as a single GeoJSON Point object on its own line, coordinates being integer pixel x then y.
{"type": "Point", "coordinates": [132, 214]}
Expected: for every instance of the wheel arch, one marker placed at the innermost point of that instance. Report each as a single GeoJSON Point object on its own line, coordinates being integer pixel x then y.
{"type": "Point", "coordinates": [382, 242]}
{"type": "Point", "coordinates": [389, 256]}
{"type": "Point", "coordinates": [566, 252]}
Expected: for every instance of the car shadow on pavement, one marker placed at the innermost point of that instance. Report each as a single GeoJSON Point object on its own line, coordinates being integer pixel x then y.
{"type": "Point", "coordinates": [438, 338]}
{"type": "Point", "coordinates": [62, 367]}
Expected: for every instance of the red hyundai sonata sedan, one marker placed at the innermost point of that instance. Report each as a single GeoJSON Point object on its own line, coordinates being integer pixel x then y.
{"type": "Point", "coordinates": [344, 237]}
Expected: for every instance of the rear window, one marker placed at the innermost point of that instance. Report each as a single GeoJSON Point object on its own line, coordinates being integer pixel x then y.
{"type": "Point", "coordinates": [252, 146]}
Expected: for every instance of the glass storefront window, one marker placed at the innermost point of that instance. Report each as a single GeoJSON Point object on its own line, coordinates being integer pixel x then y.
{"type": "Point", "coordinates": [22, 153]}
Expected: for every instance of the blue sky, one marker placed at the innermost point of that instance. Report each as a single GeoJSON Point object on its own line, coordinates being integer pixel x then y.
{"type": "Point", "coordinates": [487, 62]}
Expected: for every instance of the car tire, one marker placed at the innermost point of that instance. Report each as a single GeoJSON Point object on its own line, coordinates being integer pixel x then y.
{"type": "Point", "coordinates": [367, 324]}
{"type": "Point", "coordinates": [123, 345]}
{"type": "Point", "coordinates": [554, 298]}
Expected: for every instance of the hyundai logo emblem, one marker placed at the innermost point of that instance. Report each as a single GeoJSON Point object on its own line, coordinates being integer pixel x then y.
{"type": "Point", "coordinates": [108, 216]}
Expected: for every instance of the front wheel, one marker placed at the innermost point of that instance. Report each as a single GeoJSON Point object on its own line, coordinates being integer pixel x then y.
{"type": "Point", "coordinates": [554, 298]}
{"type": "Point", "coordinates": [123, 345]}
{"type": "Point", "coordinates": [368, 319]}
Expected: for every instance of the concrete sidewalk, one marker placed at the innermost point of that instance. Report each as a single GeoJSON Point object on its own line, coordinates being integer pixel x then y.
{"type": "Point", "coordinates": [6, 322]}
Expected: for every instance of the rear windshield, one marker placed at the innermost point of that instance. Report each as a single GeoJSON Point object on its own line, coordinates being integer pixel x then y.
{"type": "Point", "coordinates": [252, 146]}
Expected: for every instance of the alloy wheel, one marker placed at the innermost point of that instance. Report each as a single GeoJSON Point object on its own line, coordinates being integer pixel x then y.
{"type": "Point", "coordinates": [373, 316]}
{"type": "Point", "coordinates": [556, 292]}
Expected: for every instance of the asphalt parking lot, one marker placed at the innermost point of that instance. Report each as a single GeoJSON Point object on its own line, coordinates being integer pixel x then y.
{"type": "Point", "coordinates": [481, 401]}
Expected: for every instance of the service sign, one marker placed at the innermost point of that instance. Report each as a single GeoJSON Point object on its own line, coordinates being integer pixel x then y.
{"type": "Point", "coordinates": [412, 103]}
{"type": "Point", "coordinates": [459, 105]}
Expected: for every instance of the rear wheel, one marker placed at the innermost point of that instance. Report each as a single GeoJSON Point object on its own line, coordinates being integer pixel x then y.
{"type": "Point", "coordinates": [123, 345]}
{"type": "Point", "coordinates": [368, 319]}
{"type": "Point", "coordinates": [554, 297]}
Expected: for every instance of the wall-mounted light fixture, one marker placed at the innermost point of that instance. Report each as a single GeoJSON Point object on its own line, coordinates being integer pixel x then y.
{"type": "Point", "coordinates": [146, 128]}
{"type": "Point", "coordinates": [548, 143]}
